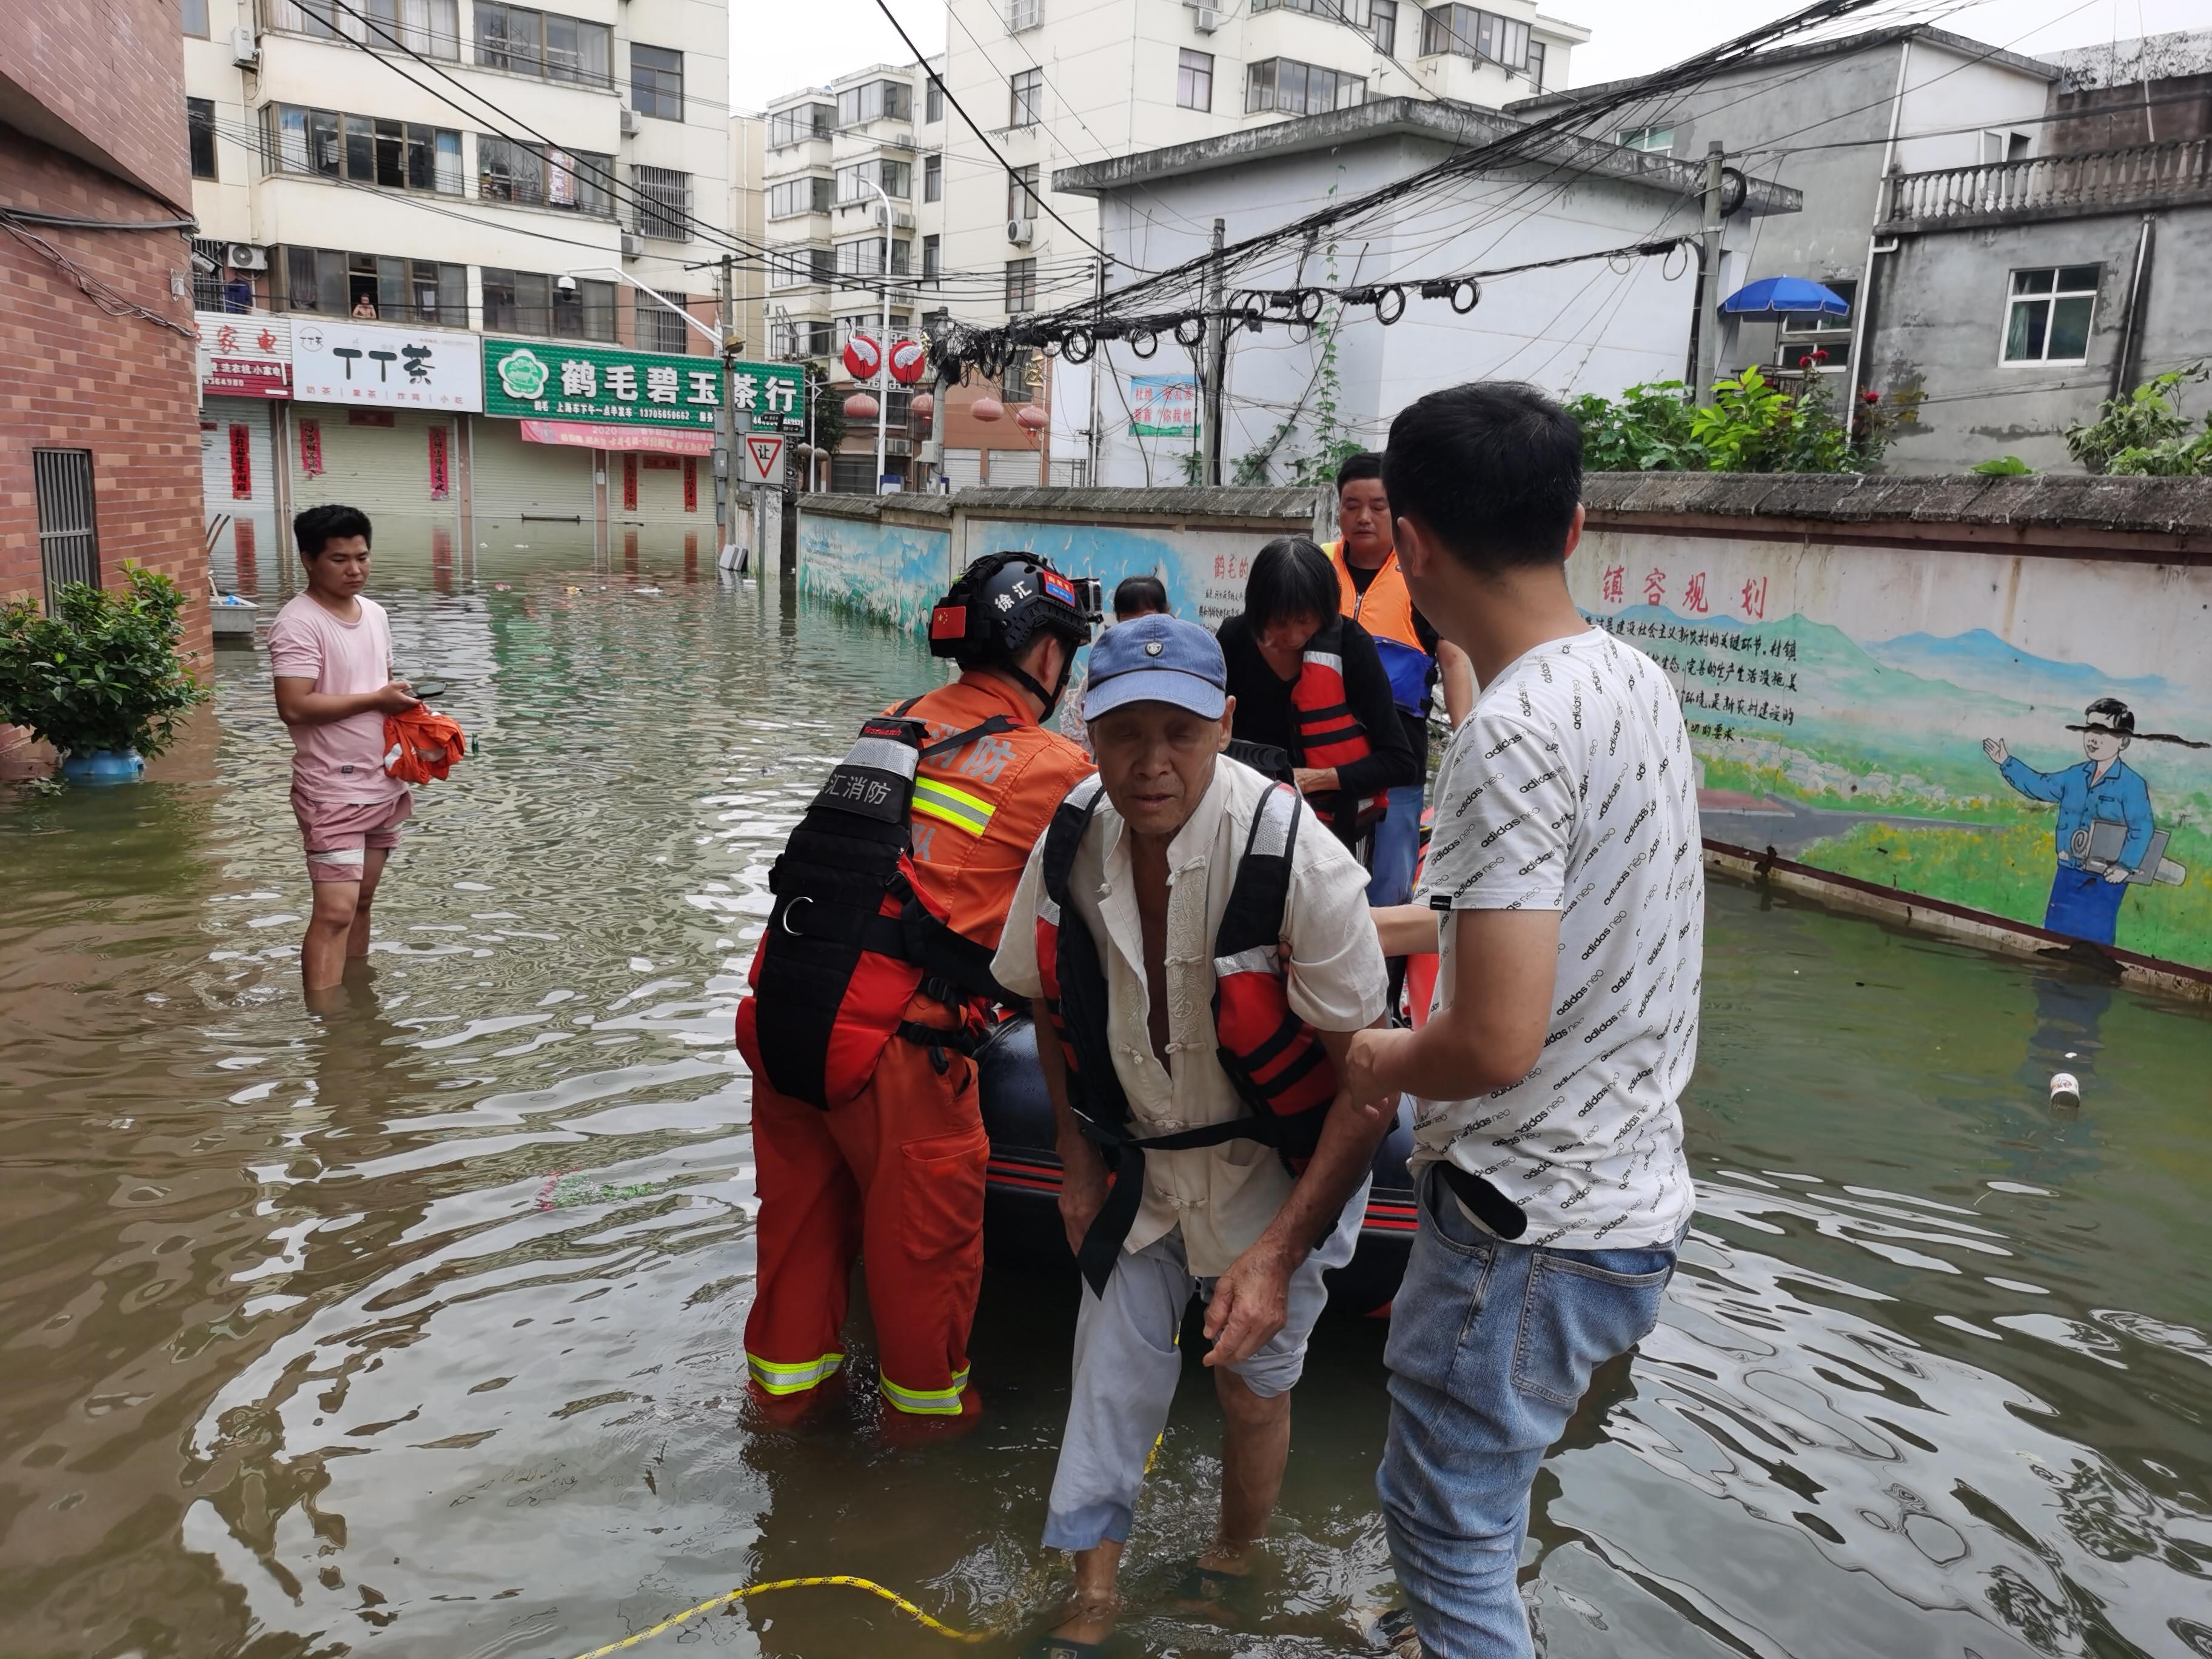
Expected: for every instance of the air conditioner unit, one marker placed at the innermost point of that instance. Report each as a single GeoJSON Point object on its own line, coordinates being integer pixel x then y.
{"type": "Point", "coordinates": [901, 447]}
{"type": "Point", "coordinates": [630, 122]}
{"type": "Point", "coordinates": [900, 141]}
{"type": "Point", "coordinates": [1019, 232]}
{"type": "Point", "coordinates": [244, 256]}
{"type": "Point", "coordinates": [1207, 19]}
{"type": "Point", "coordinates": [901, 220]}
{"type": "Point", "coordinates": [633, 246]}
{"type": "Point", "coordinates": [245, 49]}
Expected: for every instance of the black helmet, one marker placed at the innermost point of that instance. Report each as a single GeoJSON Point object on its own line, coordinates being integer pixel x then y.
{"type": "Point", "coordinates": [997, 606]}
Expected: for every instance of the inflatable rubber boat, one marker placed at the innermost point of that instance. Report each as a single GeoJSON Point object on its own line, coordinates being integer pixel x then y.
{"type": "Point", "coordinates": [1022, 1204]}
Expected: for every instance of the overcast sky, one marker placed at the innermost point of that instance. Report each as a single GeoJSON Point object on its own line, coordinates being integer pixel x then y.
{"type": "Point", "coordinates": [778, 47]}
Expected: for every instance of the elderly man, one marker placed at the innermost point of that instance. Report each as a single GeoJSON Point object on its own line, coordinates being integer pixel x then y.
{"type": "Point", "coordinates": [1199, 950]}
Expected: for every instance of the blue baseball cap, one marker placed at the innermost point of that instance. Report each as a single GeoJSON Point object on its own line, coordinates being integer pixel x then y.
{"type": "Point", "coordinates": [1156, 660]}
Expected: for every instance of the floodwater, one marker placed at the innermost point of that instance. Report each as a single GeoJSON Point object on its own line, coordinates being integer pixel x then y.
{"type": "Point", "coordinates": [414, 1329]}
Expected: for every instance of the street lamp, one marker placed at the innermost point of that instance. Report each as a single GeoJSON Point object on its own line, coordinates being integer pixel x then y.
{"type": "Point", "coordinates": [883, 345]}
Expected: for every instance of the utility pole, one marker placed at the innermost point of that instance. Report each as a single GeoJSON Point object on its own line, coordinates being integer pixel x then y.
{"type": "Point", "coordinates": [1097, 365]}
{"type": "Point", "coordinates": [725, 443]}
{"type": "Point", "coordinates": [883, 342]}
{"type": "Point", "coordinates": [1709, 280]}
{"type": "Point", "coordinates": [1217, 357]}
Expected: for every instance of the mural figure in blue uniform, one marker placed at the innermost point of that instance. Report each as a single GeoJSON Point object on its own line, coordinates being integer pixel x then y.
{"type": "Point", "coordinates": [2105, 829]}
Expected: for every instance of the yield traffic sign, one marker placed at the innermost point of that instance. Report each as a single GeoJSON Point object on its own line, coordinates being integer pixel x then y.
{"type": "Point", "coordinates": [763, 453]}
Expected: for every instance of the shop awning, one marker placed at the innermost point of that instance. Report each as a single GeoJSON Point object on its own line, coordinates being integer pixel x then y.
{"type": "Point", "coordinates": [1786, 296]}
{"type": "Point", "coordinates": [653, 440]}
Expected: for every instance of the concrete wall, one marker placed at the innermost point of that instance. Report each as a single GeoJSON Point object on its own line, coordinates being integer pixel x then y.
{"type": "Point", "coordinates": [1939, 333]}
{"type": "Point", "coordinates": [1843, 646]}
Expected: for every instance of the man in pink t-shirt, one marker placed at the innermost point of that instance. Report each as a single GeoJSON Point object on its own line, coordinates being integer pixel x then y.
{"type": "Point", "coordinates": [331, 651]}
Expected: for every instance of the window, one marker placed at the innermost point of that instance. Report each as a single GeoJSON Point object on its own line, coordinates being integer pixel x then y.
{"type": "Point", "coordinates": [199, 124]}
{"type": "Point", "coordinates": [933, 178]}
{"type": "Point", "coordinates": [1468, 33]}
{"type": "Point", "coordinates": [333, 283]}
{"type": "Point", "coordinates": [208, 259]}
{"type": "Point", "coordinates": [1354, 12]}
{"type": "Point", "coordinates": [1383, 26]}
{"type": "Point", "coordinates": [1660, 140]}
{"type": "Point", "coordinates": [431, 28]}
{"type": "Point", "coordinates": [1815, 340]}
{"type": "Point", "coordinates": [660, 329]}
{"type": "Point", "coordinates": [1022, 193]}
{"type": "Point", "coordinates": [798, 125]}
{"type": "Point", "coordinates": [1023, 14]}
{"type": "Point", "coordinates": [545, 44]}
{"type": "Point", "coordinates": [192, 15]}
{"type": "Point", "coordinates": [1021, 286]}
{"type": "Point", "coordinates": [2005, 147]}
{"type": "Point", "coordinates": [531, 302]}
{"type": "Point", "coordinates": [894, 179]}
{"type": "Point", "coordinates": [390, 155]}
{"type": "Point", "coordinates": [1195, 80]}
{"type": "Point", "coordinates": [663, 208]}
{"type": "Point", "coordinates": [1536, 49]}
{"type": "Point", "coordinates": [1015, 385]}
{"type": "Point", "coordinates": [1845, 289]}
{"type": "Point", "coordinates": [933, 101]}
{"type": "Point", "coordinates": [656, 81]}
{"type": "Point", "coordinates": [801, 267]}
{"type": "Point", "coordinates": [2048, 313]}
{"type": "Point", "coordinates": [790, 197]}
{"type": "Point", "coordinates": [865, 258]}
{"type": "Point", "coordinates": [1290, 87]}
{"type": "Point", "coordinates": [877, 100]}
{"type": "Point", "coordinates": [1026, 106]}
{"type": "Point", "coordinates": [580, 181]}
{"type": "Point", "coordinates": [931, 263]}
{"type": "Point", "coordinates": [789, 341]}
{"type": "Point", "coordinates": [68, 529]}
{"type": "Point", "coordinates": [869, 323]}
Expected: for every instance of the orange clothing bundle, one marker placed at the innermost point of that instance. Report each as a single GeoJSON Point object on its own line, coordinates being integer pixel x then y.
{"type": "Point", "coordinates": [407, 736]}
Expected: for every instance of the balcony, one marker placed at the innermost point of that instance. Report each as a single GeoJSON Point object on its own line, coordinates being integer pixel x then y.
{"type": "Point", "coordinates": [2167, 174]}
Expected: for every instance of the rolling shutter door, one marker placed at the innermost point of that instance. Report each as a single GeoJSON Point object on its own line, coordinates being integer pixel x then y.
{"type": "Point", "coordinates": [963, 468]}
{"type": "Point", "coordinates": [238, 450]}
{"type": "Point", "coordinates": [518, 482]}
{"type": "Point", "coordinates": [660, 489]}
{"type": "Point", "coordinates": [1014, 469]}
{"type": "Point", "coordinates": [390, 472]}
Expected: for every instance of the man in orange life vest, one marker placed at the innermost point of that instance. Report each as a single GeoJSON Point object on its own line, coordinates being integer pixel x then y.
{"type": "Point", "coordinates": [1371, 591]}
{"type": "Point", "coordinates": [868, 990]}
{"type": "Point", "coordinates": [1199, 948]}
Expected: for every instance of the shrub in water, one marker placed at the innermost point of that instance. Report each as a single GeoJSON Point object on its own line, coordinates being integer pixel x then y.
{"type": "Point", "coordinates": [103, 672]}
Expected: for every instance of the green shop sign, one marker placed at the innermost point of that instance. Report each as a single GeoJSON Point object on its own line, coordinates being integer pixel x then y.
{"type": "Point", "coordinates": [540, 378]}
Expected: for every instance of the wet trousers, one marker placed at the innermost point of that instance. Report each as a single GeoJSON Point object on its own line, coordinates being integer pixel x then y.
{"type": "Point", "coordinates": [896, 1178]}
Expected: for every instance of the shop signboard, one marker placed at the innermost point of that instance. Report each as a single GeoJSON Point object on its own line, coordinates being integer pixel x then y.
{"type": "Point", "coordinates": [380, 365]}
{"type": "Point", "coordinates": [615, 385]}
{"type": "Point", "coordinates": [243, 356]}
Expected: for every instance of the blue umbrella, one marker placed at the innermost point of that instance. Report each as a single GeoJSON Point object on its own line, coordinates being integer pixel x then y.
{"type": "Point", "coordinates": [1777, 295]}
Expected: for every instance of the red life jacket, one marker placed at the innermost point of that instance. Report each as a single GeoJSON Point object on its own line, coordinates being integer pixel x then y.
{"type": "Point", "coordinates": [1326, 733]}
{"type": "Point", "coordinates": [1276, 1061]}
{"type": "Point", "coordinates": [852, 936]}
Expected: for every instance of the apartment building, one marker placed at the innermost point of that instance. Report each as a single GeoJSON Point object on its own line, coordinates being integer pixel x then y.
{"type": "Point", "coordinates": [381, 185]}
{"type": "Point", "coordinates": [1059, 86]}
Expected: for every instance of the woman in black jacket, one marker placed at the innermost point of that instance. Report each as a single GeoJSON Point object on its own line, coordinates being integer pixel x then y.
{"type": "Point", "coordinates": [1291, 597]}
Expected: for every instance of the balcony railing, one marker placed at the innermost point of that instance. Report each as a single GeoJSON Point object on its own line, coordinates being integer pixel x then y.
{"type": "Point", "coordinates": [2054, 185]}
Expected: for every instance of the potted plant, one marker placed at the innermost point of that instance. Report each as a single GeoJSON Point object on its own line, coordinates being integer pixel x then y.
{"type": "Point", "coordinates": [101, 679]}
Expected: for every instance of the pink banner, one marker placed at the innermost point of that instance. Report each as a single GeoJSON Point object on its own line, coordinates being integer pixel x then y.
{"type": "Point", "coordinates": [582, 435]}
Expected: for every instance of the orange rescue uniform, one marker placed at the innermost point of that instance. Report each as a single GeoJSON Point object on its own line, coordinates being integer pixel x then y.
{"type": "Point", "coordinates": [896, 1175]}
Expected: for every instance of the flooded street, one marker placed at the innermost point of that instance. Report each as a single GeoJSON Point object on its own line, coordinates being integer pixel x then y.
{"type": "Point", "coordinates": [416, 1330]}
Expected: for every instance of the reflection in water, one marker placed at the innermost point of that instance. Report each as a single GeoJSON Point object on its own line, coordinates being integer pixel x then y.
{"type": "Point", "coordinates": [418, 1321]}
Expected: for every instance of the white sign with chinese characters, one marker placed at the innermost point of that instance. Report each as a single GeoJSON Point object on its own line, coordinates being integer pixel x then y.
{"type": "Point", "coordinates": [374, 363]}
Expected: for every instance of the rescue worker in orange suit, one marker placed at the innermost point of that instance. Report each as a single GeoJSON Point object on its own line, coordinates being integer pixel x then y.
{"type": "Point", "coordinates": [1371, 591]}
{"type": "Point", "coordinates": [870, 986]}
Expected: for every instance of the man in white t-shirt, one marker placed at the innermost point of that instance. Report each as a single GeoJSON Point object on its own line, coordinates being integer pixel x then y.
{"type": "Point", "coordinates": [329, 651]}
{"type": "Point", "coordinates": [1565, 894]}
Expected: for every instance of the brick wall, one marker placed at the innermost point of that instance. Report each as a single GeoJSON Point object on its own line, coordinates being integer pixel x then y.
{"type": "Point", "coordinates": [108, 79]}
{"type": "Point", "coordinates": [72, 377]}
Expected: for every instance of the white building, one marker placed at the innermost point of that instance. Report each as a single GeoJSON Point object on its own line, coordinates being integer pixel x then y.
{"type": "Point", "coordinates": [1582, 315]}
{"type": "Point", "coordinates": [440, 165]}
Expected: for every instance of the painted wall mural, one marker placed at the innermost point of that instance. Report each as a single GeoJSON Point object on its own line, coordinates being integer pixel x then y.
{"type": "Point", "coordinates": [2026, 737]}
{"type": "Point", "coordinates": [893, 571]}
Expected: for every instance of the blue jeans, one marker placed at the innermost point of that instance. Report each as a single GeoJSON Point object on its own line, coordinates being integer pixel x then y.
{"type": "Point", "coordinates": [1397, 847]}
{"type": "Point", "coordinates": [1492, 1344]}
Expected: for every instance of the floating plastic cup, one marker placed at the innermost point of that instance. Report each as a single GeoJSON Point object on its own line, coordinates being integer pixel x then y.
{"type": "Point", "coordinates": [2065, 1088]}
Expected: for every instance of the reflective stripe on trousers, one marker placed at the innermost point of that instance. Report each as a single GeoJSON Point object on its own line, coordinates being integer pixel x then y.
{"type": "Point", "coordinates": [792, 1379]}
{"type": "Point", "coordinates": [928, 1403]}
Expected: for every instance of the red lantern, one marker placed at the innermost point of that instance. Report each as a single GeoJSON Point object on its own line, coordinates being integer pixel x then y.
{"type": "Point", "coordinates": [923, 405]}
{"type": "Point", "coordinates": [861, 407]}
{"type": "Point", "coordinates": [987, 409]}
{"type": "Point", "coordinates": [1030, 418]}
{"type": "Point", "coordinates": [863, 357]}
{"type": "Point", "coordinates": [908, 359]}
